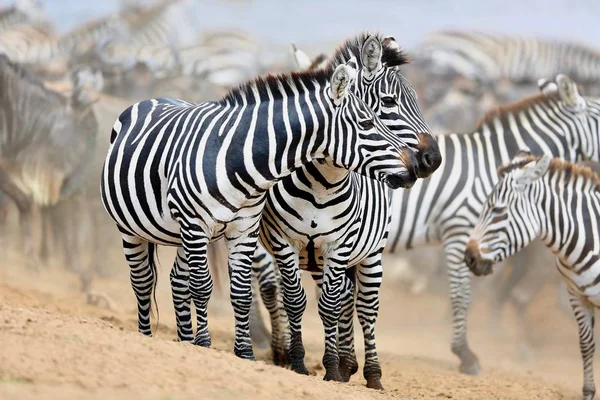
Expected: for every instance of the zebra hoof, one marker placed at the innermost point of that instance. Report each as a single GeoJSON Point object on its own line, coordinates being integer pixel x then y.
{"type": "Point", "coordinates": [244, 354]}
{"type": "Point", "coordinates": [333, 375]}
{"type": "Point", "coordinates": [300, 369]}
{"type": "Point", "coordinates": [472, 368]}
{"type": "Point", "coordinates": [348, 367]}
{"type": "Point", "coordinates": [374, 383]}
{"type": "Point", "coordinates": [280, 358]}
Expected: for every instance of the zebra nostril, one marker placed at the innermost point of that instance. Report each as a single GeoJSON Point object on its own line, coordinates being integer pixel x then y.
{"type": "Point", "coordinates": [427, 160]}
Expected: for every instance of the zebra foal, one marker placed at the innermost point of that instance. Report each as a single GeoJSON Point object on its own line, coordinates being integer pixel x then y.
{"type": "Point", "coordinates": [558, 202]}
{"type": "Point", "coordinates": [184, 174]}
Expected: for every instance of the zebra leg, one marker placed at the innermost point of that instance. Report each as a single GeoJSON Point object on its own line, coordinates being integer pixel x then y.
{"type": "Point", "coordinates": [329, 311]}
{"type": "Point", "coordinates": [258, 330]}
{"type": "Point", "coordinates": [141, 259]}
{"type": "Point", "coordinates": [459, 278]}
{"type": "Point", "coordinates": [348, 361]}
{"type": "Point", "coordinates": [241, 253]}
{"type": "Point", "coordinates": [195, 244]}
{"type": "Point", "coordinates": [294, 302]}
{"type": "Point", "coordinates": [180, 280]}
{"type": "Point", "coordinates": [369, 277]}
{"type": "Point", "coordinates": [584, 314]}
{"type": "Point", "coordinates": [268, 279]}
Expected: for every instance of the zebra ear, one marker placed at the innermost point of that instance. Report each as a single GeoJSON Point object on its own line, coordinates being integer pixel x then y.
{"type": "Point", "coordinates": [301, 60]}
{"type": "Point", "coordinates": [371, 54]}
{"type": "Point", "coordinates": [567, 90]}
{"type": "Point", "coordinates": [548, 88]}
{"type": "Point", "coordinates": [341, 79]}
{"type": "Point", "coordinates": [532, 171]}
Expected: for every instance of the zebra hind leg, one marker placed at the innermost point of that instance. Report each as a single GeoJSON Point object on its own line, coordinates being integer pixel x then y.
{"type": "Point", "coordinates": [294, 301]}
{"type": "Point", "coordinates": [195, 244]}
{"type": "Point", "coordinates": [584, 314]}
{"type": "Point", "coordinates": [179, 277]}
{"type": "Point", "coordinates": [269, 282]}
{"type": "Point", "coordinates": [369, 277]}
{"type": "Point", "coordinates": [348, 361]}
{"type": "Point", "coordinates": [241, 253]}
{"type": "Point", "coordinates": [141, 258]}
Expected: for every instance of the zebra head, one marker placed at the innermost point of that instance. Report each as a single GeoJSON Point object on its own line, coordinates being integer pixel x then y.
{"type": "Point", "coordinates": [509, 220]}
{"type": "Point", "coordinates": [361, 142]}
{"type": "Point", "coordinates": [384, 89]}
{"type": "Point", "coordinates": [381, 85]}
{"type": "Point", "coordinates": [577, 116]}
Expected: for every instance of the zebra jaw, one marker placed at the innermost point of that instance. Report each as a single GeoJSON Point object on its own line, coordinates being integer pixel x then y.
{"type": "Point", "coordinates": [396, 181]}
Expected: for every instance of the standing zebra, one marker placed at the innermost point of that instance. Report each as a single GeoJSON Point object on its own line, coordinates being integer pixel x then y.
{"type": "Point", "coordinates": [489, 58]}
{"type": "Point", "coordinates": [184, 174]}
{"type": "Point", "coordinates": [324, 218]}
{"type": "Point", "coordinates": [444, 208]}
{"type": "Point", "coordinates": [558, 202]}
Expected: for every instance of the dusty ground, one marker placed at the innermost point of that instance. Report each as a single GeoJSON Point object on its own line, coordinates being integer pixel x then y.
{"type": "Point", "coordinates": [52, 343]}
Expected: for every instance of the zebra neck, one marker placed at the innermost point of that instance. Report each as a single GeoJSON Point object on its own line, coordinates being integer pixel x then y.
{"type": "Point", "coordinates": [294, 134]}
{"type": "Point", "coordinates": [567, 210]}
{"type": "Point", "coordinates": [325, 177]}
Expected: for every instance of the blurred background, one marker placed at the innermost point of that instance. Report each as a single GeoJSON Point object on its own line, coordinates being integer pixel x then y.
{"type": "Point", "coordinates": [87, 61]}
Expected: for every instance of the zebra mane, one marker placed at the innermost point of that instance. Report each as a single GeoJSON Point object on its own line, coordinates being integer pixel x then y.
{"type": "Point", "coordinates": [270, 83]}
{"type": "Point", "coordinates": [392, 55]}
{"type": "Point", "coordinates": [567, 169]}
{"type": "Point", "coordinates": [502, 112]}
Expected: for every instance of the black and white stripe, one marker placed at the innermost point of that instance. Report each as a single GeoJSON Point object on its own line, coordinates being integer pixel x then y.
{"type": "Point", "coordinates": [558, 202]}
{"type": "Point", "coordinates": [559, 122]}
{"type": "Point", "coordinates": [184, 174]}
{"type": "Point", "coordinates": [323, 218]}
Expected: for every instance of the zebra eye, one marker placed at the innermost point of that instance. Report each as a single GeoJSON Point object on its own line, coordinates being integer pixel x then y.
{"type": "Point", "coordinates": [367, 124]}
{"type": "Point", "coordinates": [389, 102]}
{"type": "Point", "coordinates": [499, 209]}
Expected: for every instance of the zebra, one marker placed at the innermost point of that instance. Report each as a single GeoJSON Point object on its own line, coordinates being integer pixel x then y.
{"type": "Point", "coordinates": [558, 121]}
{"type": "Point", "coordinates": [558, 202]}
{"type": "Point", "coordinates": [184, 174]}
{"type": "Point", "coordinates": [489, 58]}
{"type": "Point", "coordinates": [46, 140]}
{"type": "Point", "coordinates": [22, 12]}
{"type": "Point", "coordinates": [323, 217]}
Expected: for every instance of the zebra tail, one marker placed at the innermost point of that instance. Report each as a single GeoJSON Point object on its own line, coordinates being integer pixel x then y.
{"type": "Point", "coordinates": [152, 262]}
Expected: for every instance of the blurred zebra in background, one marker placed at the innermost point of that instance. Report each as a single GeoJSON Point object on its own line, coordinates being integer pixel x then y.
{"type": "Point", "coordinates": [46, 141]}
{"type": "Point", "coordinates": [558, 202]}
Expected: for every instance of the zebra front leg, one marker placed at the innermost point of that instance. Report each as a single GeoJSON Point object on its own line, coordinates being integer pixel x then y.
{"type": "Point", "coordinates": [180, 276]}
{"type": "Point", "coordinates": [142, 272]}
{"type": "Point", "coordinates": [294, 302]}
{"type": "Point", "coordinates": [459, 278]}
{"type": "Point", "coordinates": [584, 314]}
{"type": "Point", "coordinates": [241, 253]}
{"type": "Point", "coordinates": [268, 278]}
{"type": "Point", "coordinates": [348, 361]}
{"type": "Point", "coordinates": [368, 282]}
{"type": "Point", "coordinates": [329, 311]}
{"type": "Point", "coordinates": [195, 244]}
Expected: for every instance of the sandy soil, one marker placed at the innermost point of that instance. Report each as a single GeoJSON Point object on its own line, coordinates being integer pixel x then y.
{"type": "Point", "coordinates": [53, 343]}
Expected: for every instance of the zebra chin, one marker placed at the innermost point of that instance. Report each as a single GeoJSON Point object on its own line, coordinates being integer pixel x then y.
{"type": "Point", "coordinates": [404, 180]}
{"type": "Point", "coordinates": [477, 265]}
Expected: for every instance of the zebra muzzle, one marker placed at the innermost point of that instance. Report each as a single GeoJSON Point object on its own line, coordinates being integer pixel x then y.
{"type": "Point", "coordinates": [477, 265]}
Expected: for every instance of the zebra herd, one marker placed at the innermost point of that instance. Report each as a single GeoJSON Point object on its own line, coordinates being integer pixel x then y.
{"type": "Point", "coordinates": [325, 169]}
{"type": "Point", "coordinates": [274, 160]}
